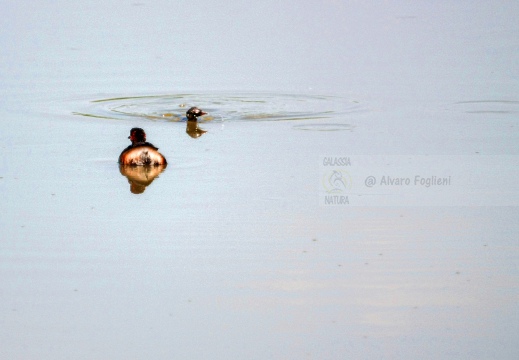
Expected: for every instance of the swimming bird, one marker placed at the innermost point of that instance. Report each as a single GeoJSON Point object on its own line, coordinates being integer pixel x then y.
{"type": "Point", "coordinates": [140, 152]}
{"type": "Point", "coordinates": [193, 113]}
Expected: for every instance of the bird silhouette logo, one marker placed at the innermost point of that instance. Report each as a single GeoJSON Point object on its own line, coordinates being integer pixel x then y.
{"type": "Point", "coordinates": [336, 181]}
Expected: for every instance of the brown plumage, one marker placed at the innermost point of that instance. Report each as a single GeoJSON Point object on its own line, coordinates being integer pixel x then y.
{"type": "Point", "coordinates": [140, 152]}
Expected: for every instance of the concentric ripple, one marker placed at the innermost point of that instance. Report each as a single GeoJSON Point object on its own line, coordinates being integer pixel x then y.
{"type": "Point", "coordinates": [325, 127]}
{"type": "Point", "coordinates": [225, 107]}
{"type": "Point", "coordinates": [495, 107]}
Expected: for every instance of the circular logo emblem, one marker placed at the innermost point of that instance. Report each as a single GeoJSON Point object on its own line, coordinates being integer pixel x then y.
{"type": "Point", "coordinates": [336, 181]}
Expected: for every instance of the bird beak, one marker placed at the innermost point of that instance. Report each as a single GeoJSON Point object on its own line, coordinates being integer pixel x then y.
{"type": "Point", "coordinates": [203, 113]}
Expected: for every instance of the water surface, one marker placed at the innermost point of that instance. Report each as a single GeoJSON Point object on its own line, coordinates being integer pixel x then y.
{"type": "Point", "coordinates": [226, 253]}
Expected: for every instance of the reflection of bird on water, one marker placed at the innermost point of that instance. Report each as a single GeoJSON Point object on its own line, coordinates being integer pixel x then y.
{"type": "Point", "coordinates": [141, 152]}
{"type": "Point", "coordinates": [337, 181]}
{"type": "Point", "coordinates": [140, 177]}
{"type": "Point", "coordinates": [192, 128]}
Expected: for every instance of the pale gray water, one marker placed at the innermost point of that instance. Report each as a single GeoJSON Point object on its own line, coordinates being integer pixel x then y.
{"type": "Point", "coordinates": [227, 254]}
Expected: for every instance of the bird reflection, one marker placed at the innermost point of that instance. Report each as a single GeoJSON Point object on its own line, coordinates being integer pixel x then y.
{"type": "Point", "coordinates": [193, 130]}
{"type": "Point", "coordinates": [140, 177]}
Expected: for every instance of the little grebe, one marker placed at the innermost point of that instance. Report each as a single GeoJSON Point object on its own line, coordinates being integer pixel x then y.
{"type": "Point", "coordinates": [193, 113]}
{"type": "Point", "coordinates": [140, 152]}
